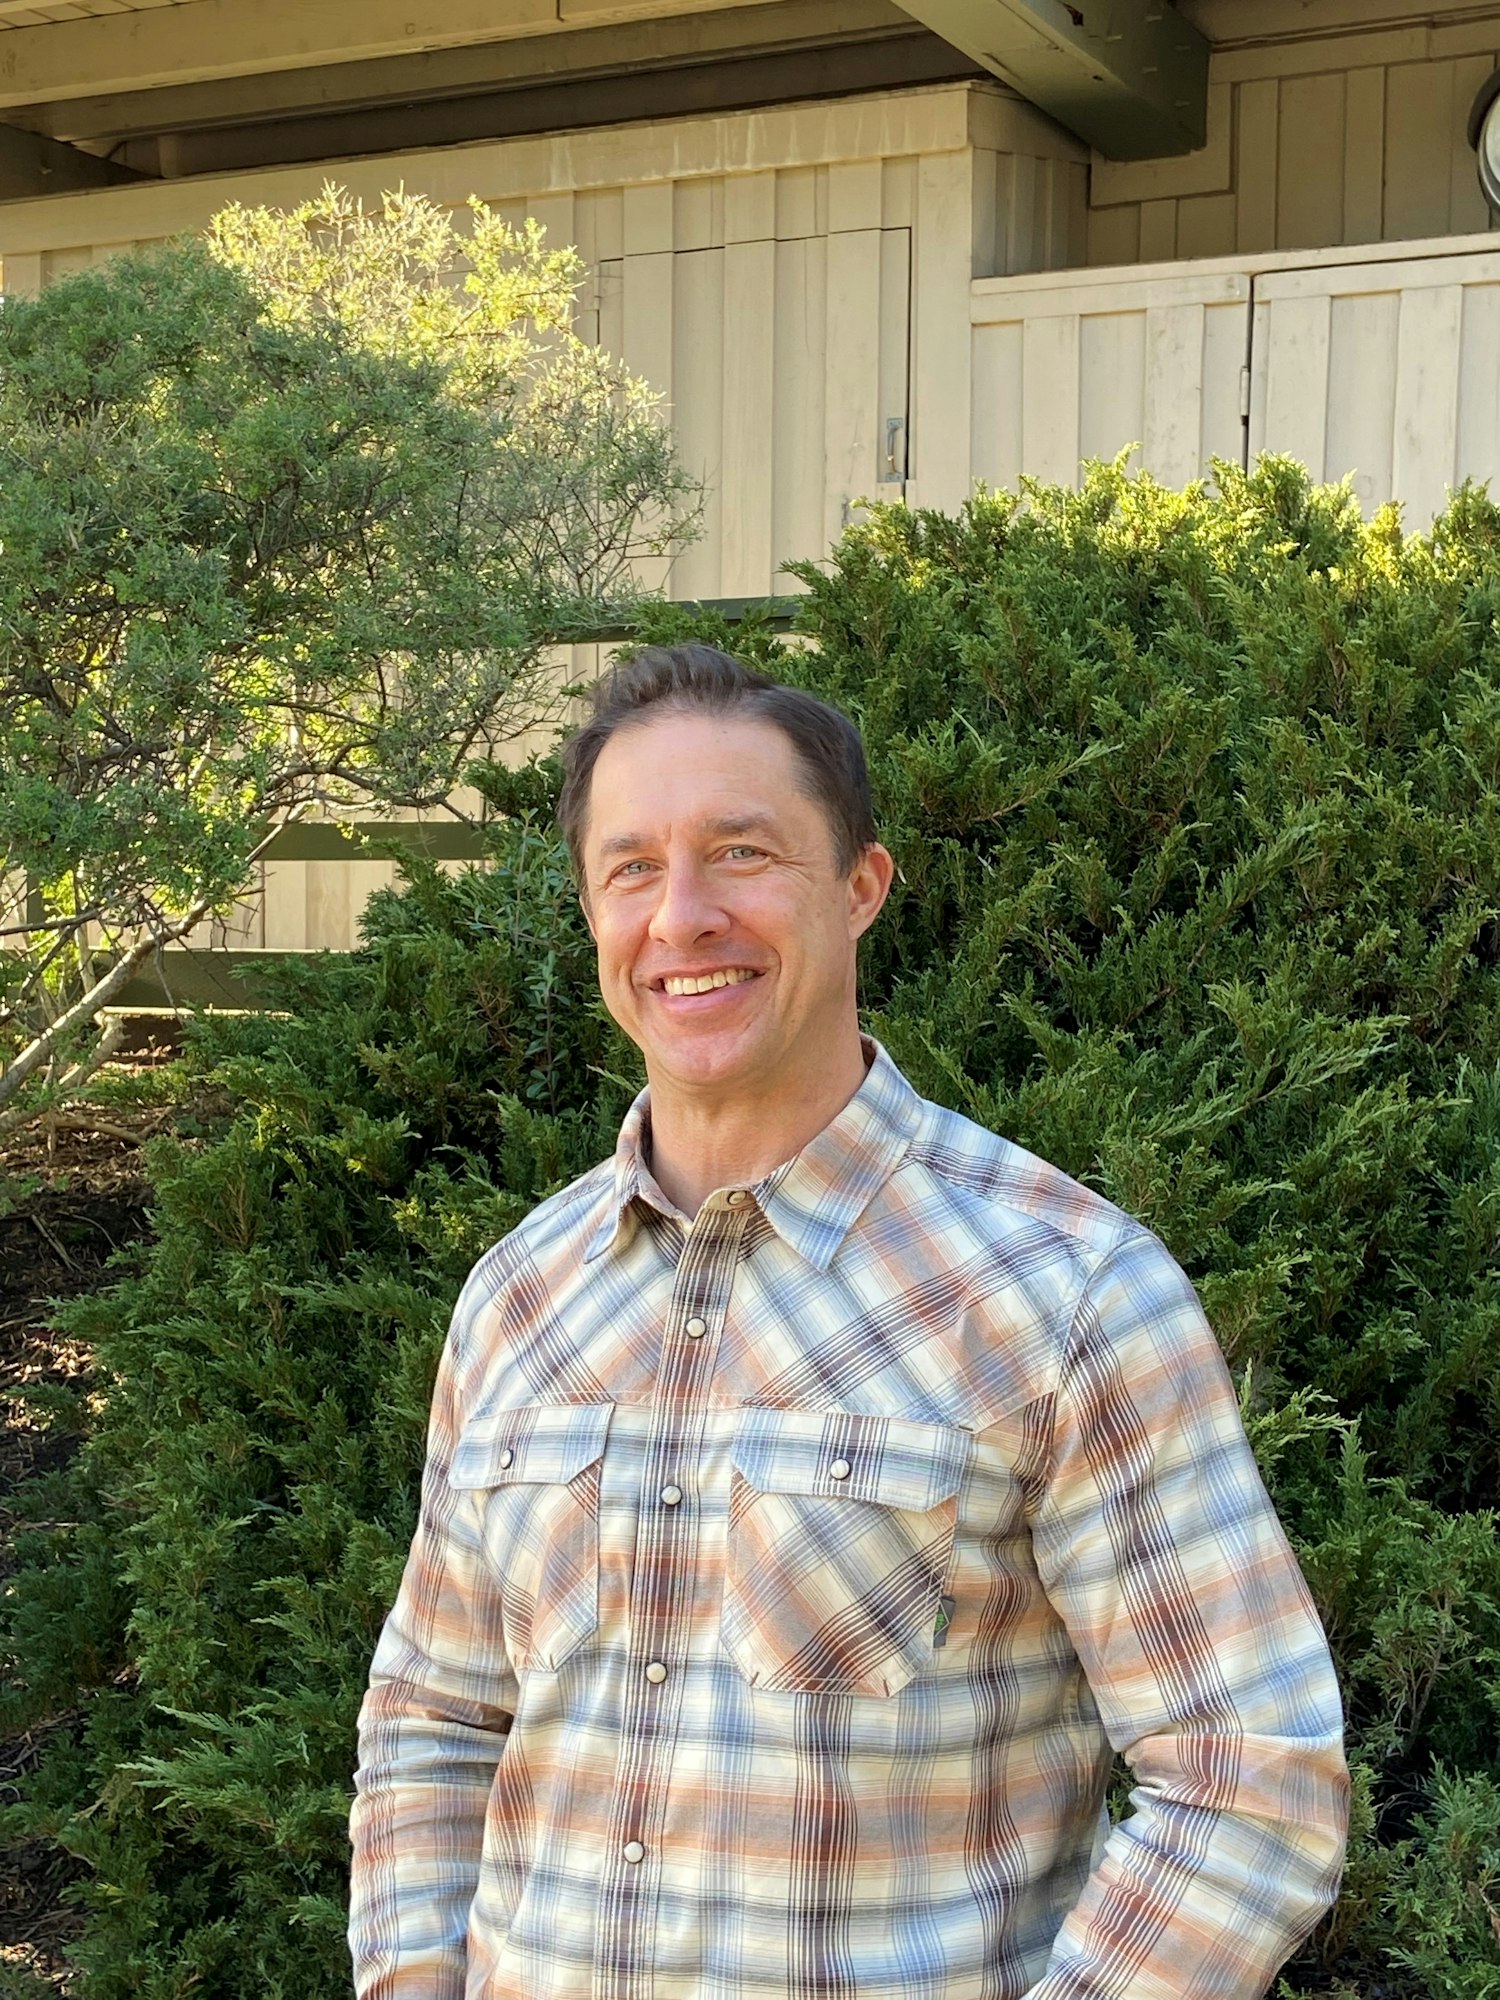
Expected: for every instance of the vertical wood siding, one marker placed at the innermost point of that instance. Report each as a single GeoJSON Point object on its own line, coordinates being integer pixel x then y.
{"type": "Point", "coordinates": [1389, 373]}
{"type": "Point", "coordinates": [1087, 369]}
{"type": "Point", "coordinates": [1385, 370]}
{"type": "Point", "coordinates": [780, 344]}
{"type": "Point", "coordinates": [1359, 138]}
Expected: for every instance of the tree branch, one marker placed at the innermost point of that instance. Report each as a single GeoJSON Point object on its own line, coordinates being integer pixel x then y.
{"type": "Point", "coordinates": [40, 1050]}
{"type": "Point", "coordinates": [37, 1052]}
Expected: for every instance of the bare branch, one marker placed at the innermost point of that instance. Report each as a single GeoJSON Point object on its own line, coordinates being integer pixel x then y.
{"type": "Point", "coordinates": [73, 1080]}
{"type": "Point", "coordinates": [40, 1050]}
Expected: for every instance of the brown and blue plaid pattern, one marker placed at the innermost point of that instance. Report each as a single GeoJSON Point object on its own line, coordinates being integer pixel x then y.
{"type": "Point", "coordinates": [786, 1579]}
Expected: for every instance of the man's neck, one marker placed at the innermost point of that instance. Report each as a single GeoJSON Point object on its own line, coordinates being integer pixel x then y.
{"type": "Point", "coordinates": [699, 1143]}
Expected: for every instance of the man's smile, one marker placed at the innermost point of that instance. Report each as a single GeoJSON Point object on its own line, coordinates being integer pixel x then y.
{"type": "Point", "coordinates": [718, 989]}
{"type": "Point", "coordinates": [679, 984]}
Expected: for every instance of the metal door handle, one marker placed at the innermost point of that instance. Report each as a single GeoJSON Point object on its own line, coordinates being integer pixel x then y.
{"type": "Point", "coordinates": [895, 449]}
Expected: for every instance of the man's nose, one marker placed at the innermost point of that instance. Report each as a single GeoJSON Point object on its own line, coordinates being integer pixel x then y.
{"type": "Point", "coordinates": [687, 909]}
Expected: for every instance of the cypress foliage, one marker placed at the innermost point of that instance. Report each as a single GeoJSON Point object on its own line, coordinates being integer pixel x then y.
{"type": "Point", "coordinates": [1196, 803]}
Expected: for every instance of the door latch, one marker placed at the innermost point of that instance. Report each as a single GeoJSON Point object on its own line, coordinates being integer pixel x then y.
{"type": "Point", "coordinates": [894, 469]}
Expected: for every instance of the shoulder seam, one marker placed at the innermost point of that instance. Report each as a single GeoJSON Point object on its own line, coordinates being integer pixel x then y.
{"type": "Point", "coordinates": [565, 1198]}
{"type": "Point", "coordinates": [950, 1171]}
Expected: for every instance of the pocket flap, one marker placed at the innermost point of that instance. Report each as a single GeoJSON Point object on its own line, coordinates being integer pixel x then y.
{"type": "Point", "coordinates": [892, 1461]}
{"type": "Point", "coordinates": [544, 1444]}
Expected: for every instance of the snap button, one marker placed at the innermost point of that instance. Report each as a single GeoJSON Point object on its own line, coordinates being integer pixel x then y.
{"type": "Point", "coordinates": [670, 1495]}
{"type": "Point", "coordinates": [656, 1672]}
{"type": "Point", "coordinates": [736, 1197]}
{"type": "Point", "coordinates": [506, 1458]}
{"type": "Point", "coordinates": [633, 1851]}
{"type": "Point", "coordinates": [696, 1328]}
{"type": "Point", "coordinates": [840, 1469]}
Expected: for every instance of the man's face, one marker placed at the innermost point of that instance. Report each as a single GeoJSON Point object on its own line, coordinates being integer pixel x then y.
{"type": "Point", "coordinates": [706, 860]}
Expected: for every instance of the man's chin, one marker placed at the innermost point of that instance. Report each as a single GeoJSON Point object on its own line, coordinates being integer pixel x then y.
{"type": "Point", "coordinates": [705, 1063]}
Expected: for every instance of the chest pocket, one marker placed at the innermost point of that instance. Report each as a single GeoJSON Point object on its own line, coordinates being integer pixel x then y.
{"type": "Point", "coordinates": [535, 1474]}
{"type": "Point", "coordinates": [840, 1534]}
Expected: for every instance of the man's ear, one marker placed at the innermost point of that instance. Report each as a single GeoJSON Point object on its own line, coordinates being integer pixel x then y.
{"type": "Point", "coordinates": [869, 884]}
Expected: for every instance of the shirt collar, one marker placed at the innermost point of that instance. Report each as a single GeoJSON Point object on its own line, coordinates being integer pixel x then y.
{"type": "Point", "coordinates": [811, 1201]}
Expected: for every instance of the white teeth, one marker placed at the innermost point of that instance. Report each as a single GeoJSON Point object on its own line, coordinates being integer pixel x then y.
{"type": "Point", "coordinates": [708, 982]}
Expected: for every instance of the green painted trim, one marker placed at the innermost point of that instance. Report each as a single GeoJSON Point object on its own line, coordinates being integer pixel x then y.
{"type": "Point", "coordinates": [178, 980]}
{"type": "Point", "coordinates": [780, 612]}
{"type": "Point", "coordinates": [373, 839]}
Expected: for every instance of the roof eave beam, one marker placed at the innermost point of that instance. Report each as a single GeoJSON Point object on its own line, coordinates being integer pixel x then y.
{"type": "Point", "coordinates": [1130, 76]}
{"type": "Point", "coordinates": [32, 164]}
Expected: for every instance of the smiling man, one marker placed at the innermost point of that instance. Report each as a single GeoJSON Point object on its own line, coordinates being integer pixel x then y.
{"type": "Point", "coordinates": [819, 1493]}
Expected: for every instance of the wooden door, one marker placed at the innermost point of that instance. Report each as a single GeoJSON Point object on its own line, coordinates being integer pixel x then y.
{"type": "Point", "coordinates": [783, 362]}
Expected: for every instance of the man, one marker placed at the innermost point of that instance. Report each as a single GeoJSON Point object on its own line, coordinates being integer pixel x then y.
{"type": "Point", "coordinates": [818, 1494]}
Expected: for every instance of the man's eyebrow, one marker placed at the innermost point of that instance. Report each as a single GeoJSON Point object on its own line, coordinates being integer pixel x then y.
{"type": "Point", "coordinates": [619, 843]}
{"type": "Point", "coordinates": [728, 827]}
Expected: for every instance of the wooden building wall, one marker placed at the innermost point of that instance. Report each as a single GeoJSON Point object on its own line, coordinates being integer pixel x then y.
{"type": "Point", "coordinates": [1372, 364]}
{"type": "Point", "coordinates": [1345, 137]}
{"type": "Point", "coordinates": [968, 181]}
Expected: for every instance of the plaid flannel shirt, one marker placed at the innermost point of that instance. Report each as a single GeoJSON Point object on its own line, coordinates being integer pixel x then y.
{"type": "Point", "coordinates": [786, 1578]}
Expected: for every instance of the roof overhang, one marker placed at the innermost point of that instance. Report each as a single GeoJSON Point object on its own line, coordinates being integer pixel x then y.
{"type": "Point", "coordinates": [217, 86]}
{"type": "Point", "coordinates": [1130, 76]}
{"type": "Point", "coordinates": [133, 88]}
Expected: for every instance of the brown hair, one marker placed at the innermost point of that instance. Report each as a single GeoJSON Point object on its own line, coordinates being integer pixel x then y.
{"type": "Point", "coordinates": [700, 680]}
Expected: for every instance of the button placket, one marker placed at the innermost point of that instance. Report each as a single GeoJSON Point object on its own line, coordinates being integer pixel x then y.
{"type": "Point", "coordinates": [665, 1562]}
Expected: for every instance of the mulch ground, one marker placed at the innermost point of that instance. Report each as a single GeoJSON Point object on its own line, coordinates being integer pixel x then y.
{"type": "Point", "coordinates": [91, 1200]}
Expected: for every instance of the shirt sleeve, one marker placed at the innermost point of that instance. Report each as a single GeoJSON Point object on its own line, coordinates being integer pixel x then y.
{"type": "Point", "coordinates": [431, 1730]}
{"type": "Point", "coordinates": [1158, 1545]}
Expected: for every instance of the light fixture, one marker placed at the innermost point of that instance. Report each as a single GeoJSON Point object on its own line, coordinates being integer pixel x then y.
{"type": "Point", "coordinates": [1484, 137]}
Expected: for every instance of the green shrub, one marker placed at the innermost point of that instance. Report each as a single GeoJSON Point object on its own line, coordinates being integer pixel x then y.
{"type": "Point", "coordinates": [1196, 802]}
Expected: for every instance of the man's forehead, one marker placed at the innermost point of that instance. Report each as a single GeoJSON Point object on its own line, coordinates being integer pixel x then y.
{"type": "Point", "coordinates": [727, 740]}
{"type": "Point", "coordinates": [739, 776]}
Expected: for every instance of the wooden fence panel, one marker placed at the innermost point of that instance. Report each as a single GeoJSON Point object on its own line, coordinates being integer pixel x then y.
{"type": "Point", "coordinates": [1386, 371]}
{"type": "Point", "coordinates": [1083, 368]}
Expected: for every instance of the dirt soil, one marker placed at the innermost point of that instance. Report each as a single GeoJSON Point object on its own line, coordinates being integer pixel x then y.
{"type": "Point", "coordinates": [91, 1200]}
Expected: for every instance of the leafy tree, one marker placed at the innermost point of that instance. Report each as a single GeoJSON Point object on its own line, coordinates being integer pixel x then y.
{"type": "Point", "coordinates": [288, 519]}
